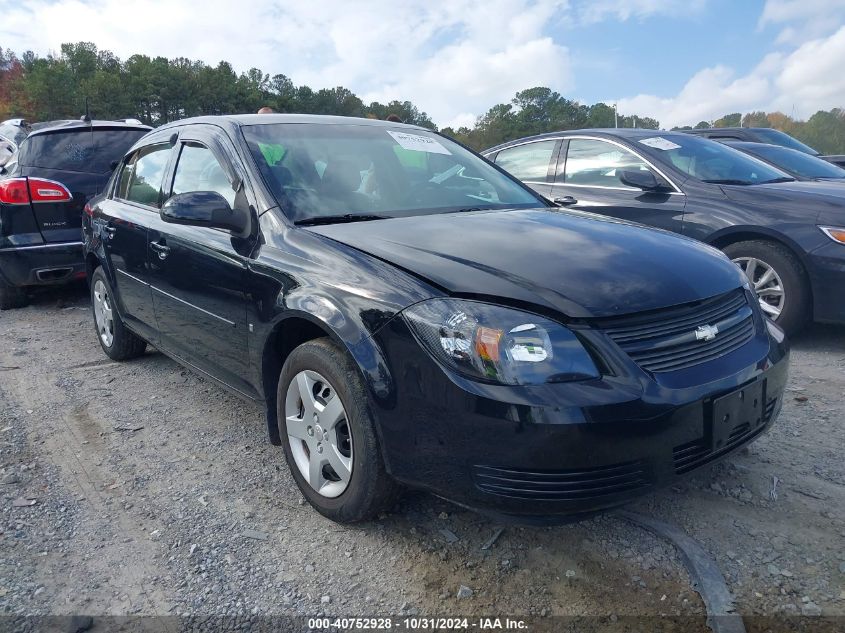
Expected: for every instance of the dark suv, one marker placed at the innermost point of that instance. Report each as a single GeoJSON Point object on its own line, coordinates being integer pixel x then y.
{"type": "Point", "coordinates": [41, 200]}
{"type": "Point", "coordinates": [407, 312]}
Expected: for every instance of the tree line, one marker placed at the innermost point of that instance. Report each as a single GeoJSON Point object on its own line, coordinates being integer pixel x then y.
{"type": "Point", "coordinates": [157, 90]}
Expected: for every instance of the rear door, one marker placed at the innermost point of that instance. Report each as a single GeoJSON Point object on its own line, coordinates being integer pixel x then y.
{"type": "Point", "coordinates": [587, 178]}
{"type": "Point", "coordinates": [198, 274]}
{"type": "Point", "coordinates": [122, 224]}
{"type": "Point", "coordinates": [81, 160]}
{"type": "Point", "coordinates": [532, 163]}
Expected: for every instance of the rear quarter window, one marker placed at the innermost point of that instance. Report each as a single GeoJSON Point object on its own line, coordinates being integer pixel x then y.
{"type": "Point", "coordinates": [89, 151]}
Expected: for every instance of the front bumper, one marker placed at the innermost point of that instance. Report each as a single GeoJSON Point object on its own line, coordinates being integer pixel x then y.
{"type": "Point", "coordinates": [567, 448]}
{"type": "Point", "coordinates": [42, 264]}
{"type": "Point", "coordinates": [826, 266]}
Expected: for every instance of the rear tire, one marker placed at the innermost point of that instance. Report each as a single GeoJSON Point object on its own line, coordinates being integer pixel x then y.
{"type": "Point", "coordinates": [794, 302]}
{"type": "Point", "coordinates": [312, 425]}
{"type": "Point", "coordinates": [12, 297]}
{"type": "Point", "coordinates": [117, 342]}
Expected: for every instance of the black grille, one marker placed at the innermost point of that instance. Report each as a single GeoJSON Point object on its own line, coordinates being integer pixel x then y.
{"type": "Point", "coordinates": [665, 340]}
{"type": "Point", "coordinates": [561, 485]}
{"type": "Point", "coordinates": [694, 454]}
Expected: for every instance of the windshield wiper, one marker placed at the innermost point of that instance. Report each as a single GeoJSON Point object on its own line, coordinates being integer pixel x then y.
{"type": "Point", "coordinates": [728, 181]}
{"type": "Point", "coordinates": [781, 179]}
{"type": "Point", "coordinates": [469, 209]}
{"type": "Point", "coordinates": [339, 219]}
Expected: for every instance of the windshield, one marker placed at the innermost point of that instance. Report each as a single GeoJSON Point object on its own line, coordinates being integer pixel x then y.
{"type": "Point", "coordinates": [776, 137]}
{"type": "Point", "coordinates": [710, 161]}
{"type": "Point", "coordinates": [348, 171]}
{"type": "Point", "coordinates": [796, 162]}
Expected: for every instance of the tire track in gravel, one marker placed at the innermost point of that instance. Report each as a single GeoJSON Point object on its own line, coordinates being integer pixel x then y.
{"type": "Point", "coordinates": [73, 442]}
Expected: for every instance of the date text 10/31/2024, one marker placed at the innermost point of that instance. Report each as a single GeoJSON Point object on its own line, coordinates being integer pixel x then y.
{"type": "Point", "coordinates": [417, 624]}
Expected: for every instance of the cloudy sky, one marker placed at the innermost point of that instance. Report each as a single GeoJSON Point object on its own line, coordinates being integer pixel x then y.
{"type": "Point", "coordinates": [679, 61]}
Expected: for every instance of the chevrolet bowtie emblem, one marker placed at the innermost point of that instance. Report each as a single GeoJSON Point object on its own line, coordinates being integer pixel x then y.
{"type": "Point", "coordinates": [706, 332]}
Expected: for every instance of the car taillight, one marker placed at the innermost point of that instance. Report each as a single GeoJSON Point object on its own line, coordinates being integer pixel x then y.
{"type": "Point", "coordinates": [35, 190]}
{"type": "Point", "coordinates": [43, 190]}
{"type": "Point", "coordinates": [14, 191]}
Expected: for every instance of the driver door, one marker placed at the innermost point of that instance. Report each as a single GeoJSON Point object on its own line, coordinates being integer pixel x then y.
{"type": "Point", "coordinates": [198, 274]}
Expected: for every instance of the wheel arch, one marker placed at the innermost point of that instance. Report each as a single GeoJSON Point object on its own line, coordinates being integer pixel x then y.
{"type": "Point", "coordinates": [735, 234]}
{"type": "Point", "coordinates": [298, 327]}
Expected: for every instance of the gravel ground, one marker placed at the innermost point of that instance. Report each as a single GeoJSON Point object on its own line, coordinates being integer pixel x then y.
{"type": "Point", "coordinates": [140, 488]}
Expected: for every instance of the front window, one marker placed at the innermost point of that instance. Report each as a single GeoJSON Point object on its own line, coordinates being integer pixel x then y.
{"type": "Point", "coordinates": [344, 171]}
{"type": "Point", "coordinates": [797, 162]}
{"type": "Point", "coordinates": [594, 163]}
{"type": "Point", "coordinates": [776, 137]}
{"type": "Point", "coordinates": [709, 161]}
{"type": "Point", "coordinates": [199, 170]}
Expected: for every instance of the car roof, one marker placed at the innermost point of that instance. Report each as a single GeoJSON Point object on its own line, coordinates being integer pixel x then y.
{"type": "Point", "coordinates": [233, 121]}
{"type": "Point", "coordinates": [611, 132]}
{"type": "Point", "coordinates": [64, 126]}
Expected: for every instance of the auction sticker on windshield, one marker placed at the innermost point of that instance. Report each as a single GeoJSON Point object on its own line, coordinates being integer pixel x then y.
{"type": "Point", "coordinates": [658, 142]}
{"type": "Point", "coordinates": [418, 143]}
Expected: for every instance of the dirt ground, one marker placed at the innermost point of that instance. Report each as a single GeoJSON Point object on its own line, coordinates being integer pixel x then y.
{"type": "Point", "coordinates": [140, 488]}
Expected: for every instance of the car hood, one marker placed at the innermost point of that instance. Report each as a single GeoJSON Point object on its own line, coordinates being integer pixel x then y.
{"type": "Point", "coordinates": [574, 263]}
{"type": "Point", "coordinates": [805, 200]}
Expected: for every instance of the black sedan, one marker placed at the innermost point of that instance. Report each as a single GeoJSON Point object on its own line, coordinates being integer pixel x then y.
{"type": "Point", "coordinates": [410, 314]}
{"type": "Point", "coordinates": [797, 164]}
{"type": "Point", "coordinates": [788, 236]}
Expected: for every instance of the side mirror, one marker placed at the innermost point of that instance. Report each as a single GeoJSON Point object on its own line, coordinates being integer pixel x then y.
{"type": "Point", "coordinates": [640, 179]}
{"type": "Point", "coordinates": [203, 208]}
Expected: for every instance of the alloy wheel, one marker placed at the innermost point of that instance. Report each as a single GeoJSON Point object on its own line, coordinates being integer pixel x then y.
{"type": "Point", "coordinates": [319, 433]}
{"type": "Point", "coordinates": [103, 314]}
{"type": "Point", "coordinates": [766, 283]}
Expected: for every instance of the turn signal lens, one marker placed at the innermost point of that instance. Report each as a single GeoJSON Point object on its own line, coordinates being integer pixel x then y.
{"type": "Point", "coordinates": [487, 343]}
{"type": "Point", "coordinates": [834, 233]}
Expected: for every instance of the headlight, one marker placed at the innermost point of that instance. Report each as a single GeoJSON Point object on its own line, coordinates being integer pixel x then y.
{"type": "Point", "coordinates": [834, 233]}
{"type": "Point", "coordinates": [496, 344]}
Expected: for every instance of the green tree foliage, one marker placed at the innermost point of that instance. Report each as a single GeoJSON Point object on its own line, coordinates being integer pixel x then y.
{"type": "Point", "coordinates": [157, 90]}
{"type": "Point", "coordinates": [755, 119]}
{"type": "Point", "coordinates": [729, 120]}
{"type": "Point", "coordinates": [824, 131]}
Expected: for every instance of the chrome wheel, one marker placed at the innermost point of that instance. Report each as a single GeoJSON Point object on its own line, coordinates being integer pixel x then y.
{"type": "Point", "coordinates": [103, 314]}
{"type": "Point", "coordinates": [319, 433]}
{"type": "Point", "coordinates": [766, 283]}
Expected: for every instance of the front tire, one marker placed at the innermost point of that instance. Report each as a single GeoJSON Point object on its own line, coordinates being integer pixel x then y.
{"type": "Point", "coordinates": [778, 280]}
{"type": "Point", "coordinates": [329, 435]}
{"type": "Point", "coordinates": [12, 297]}
{"type": "Point", "coordinates": [117, 342]}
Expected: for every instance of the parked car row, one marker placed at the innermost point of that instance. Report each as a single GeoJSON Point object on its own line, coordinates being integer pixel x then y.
{"type": "Point", "coordinates": [787, 235]}
{"type": "Point", "coordinates": [511, 336]}
{"type": "Point", "coordinates": [764, 135]}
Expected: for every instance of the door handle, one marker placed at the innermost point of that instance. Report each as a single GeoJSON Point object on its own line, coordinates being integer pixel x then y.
{"type": "Point", "coordinates": [565, 201]}
{"type": "Point", "coordinates": [163, 250]}
{"type": "Point", "coordinates": [109, 230]}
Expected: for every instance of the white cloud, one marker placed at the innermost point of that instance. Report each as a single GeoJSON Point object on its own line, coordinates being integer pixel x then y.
{"type": "Point", "coordinates": [452, 59]}
{"type": "Point", "coordinates": [802, 20]}
{"type": "Point", "coordinates": [599, 10]}
{"type": "Point", "coordinates": [802, 80]}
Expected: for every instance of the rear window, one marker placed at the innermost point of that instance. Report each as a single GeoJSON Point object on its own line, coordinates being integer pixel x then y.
{"type": "Point", "coordinates": [90, 151]}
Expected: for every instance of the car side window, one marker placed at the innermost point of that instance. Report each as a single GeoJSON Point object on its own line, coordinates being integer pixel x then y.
{"type": "Point", "coordinates": [142, 174]}
{"type": "Point", "coordinates": [595, 163]}
{"type": "Point", "coordinates": [528, 162]}
{"type": "Point", "coordinates": [199, 170]}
